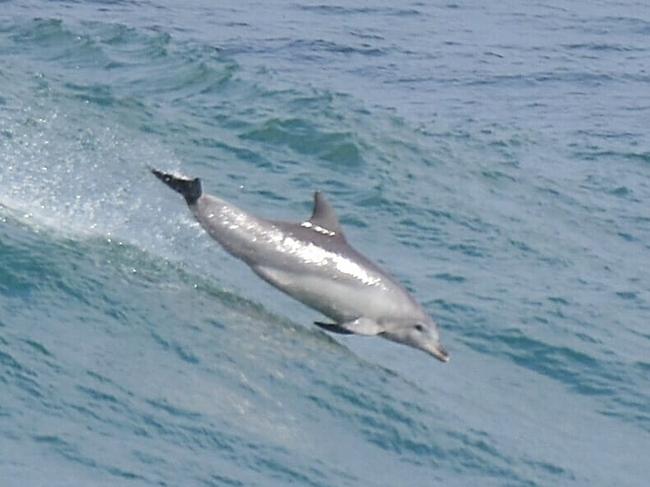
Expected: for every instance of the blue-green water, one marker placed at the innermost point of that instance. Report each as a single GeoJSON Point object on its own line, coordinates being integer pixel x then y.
{"type": "Point", "coordinates": [496, 158]}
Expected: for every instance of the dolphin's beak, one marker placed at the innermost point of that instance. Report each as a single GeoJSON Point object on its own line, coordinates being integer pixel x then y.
{"type": "Point", "coordinates": [439, 352]}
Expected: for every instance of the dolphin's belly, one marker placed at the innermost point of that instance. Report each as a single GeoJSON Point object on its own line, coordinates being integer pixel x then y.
{"type": "Point", "coordinates": [340, 300]}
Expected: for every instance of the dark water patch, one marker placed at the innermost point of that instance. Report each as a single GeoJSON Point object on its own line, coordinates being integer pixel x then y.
{"type": "Point", "coordinates": [422, 221]}
{"type": "Point", "coordinates": [97, 395]}
{"type": "Point", "coordinates": [219, 480]}
{"type": "Point", "coordinates": [498, 176]}
{"type": "Point", "coordinates": [626, 236]}
{"type": "Point", "coordinates": [381, 204]}
{"type": "Point", "coordinates": [256, 158]}
{"type": "Point", "coordinates": [126, 45]}
{"type": "Point", "coordinates": [194, 77]}
{"type": "Point", "coordinates": [24, 378]}
{"type": "Point", "coordinates": [627, 295]}
{"type": "Point", "coordinates": [633, 413]}
{"type": "Point", "coordinates": [38, 347]}
{"type": "Point", "coordinates": [21, 274]}
{"type": "Point", "coordinates": [88, 413]}
{"type": "Point", "coordinates": [371, 36]}
{"type": "Point", "coordinates": [454, 308]}
{"type": "Point", "coordinates": [270, 195]}
{"type": "Point", "coordinates": [645, 336]}
{"type": "Point", "coordinates": [51, 440]}
{"type": "Point", "coordinates": [102, 95]}
{"type": "Point", "coordinates": [552, 469]}
{"type": "Point", "coordinates": [194, 437]}
{"type": "Point", "coordinates": [391, 439]}
{"type": "Point", "coordinates": [281, 471]}
{"type": "Point", "coordinates": [353, 221]}
{"type": "Point", "coordinates": [476, 452]}
{"type": "Point", "coordinates": [341, 10]}
{"type": "Point", "coordinates": [148, 458]}
{"type": "Point", "coordinates": [173, 410]}
{"type": "Point", "coordinates": [129, 59]}
{"type": "Point", "coordinates": [71, 452]}
{"type": "Point", "coordinates": [178, 350]}
{"type": "Point", "coordinates": [9, 362]}
{"type": "Point", "coordinates": [596, 154]}
{"type": "Point", "coordinates": [39, 30]}
{"type": "Point", "coordinates": [37, 269]}
{"type": "Point", "coordinates": [575, 369]}
{"type": "Point", "coordinates": [521, 246]}
{"type": "Point", "coordinates": [450, 277]}
{"type": "Point", "coordinates": [469, 250]}
{"type": "Point", "coordinates": [585, 337]}
{"type": "Point", "coordinates": [644, 366]}
{"type": "Point", "coordinates": [621, 191]}
{"type": "Point", "coordinates": [307, 48]}
{"type": "Point", "coordinates": [346, 153]}
{"type": "Point", "coordinates": [603, 47]}
{"type": "Point", "coordinates": [306, 138]}
{"type": "Point", "coordinates": [52, 40]}
{"type": "Point", "coordinates": [400, 428]}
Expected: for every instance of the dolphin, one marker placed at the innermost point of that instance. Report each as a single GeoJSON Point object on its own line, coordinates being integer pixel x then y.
{"type": "Point", "coordinates": [313, 263]}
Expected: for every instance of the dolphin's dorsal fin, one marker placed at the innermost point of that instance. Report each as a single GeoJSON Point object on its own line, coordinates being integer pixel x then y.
{"type": "Point", "coordinates": [323, 219]}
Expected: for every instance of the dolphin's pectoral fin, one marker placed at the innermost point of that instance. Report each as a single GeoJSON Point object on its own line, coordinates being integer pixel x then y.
{"type": "Point", "coordinates": [360, 326]}
{"type": "Point", "coordinates": [333, 327]}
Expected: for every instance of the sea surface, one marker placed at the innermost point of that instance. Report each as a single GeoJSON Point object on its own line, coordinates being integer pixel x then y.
{"type": "Point", "coordinates": [493, 156]}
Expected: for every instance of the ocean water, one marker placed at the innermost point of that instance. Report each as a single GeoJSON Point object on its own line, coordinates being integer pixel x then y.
{"type": "Point", "coordinates": [495, 157]}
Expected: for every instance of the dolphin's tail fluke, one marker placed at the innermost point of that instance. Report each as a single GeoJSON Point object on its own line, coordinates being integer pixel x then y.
{"type": "Point", "coordinates": [189, 188]}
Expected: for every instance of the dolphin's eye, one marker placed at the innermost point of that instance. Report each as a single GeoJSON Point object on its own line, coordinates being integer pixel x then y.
{"type": "Point", "coordinates": [419, 327]}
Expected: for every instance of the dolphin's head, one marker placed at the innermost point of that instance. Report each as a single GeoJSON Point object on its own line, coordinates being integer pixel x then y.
{"type": "Point", "coordinates": [422, 334]}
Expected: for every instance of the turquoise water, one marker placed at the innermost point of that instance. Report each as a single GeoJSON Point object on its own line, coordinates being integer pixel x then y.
{"type": "Point", "coordinates": [495, 158]}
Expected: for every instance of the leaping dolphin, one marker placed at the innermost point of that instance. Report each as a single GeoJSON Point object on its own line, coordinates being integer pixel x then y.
{"type": "Point", "coordinates": [313, 263]}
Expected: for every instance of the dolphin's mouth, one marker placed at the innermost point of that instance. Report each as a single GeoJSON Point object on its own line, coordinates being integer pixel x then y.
{"type": "Point", "coordinates": [440, 353]}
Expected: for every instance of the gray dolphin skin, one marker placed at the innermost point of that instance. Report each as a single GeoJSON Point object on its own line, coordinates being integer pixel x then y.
{"type": "Point", "coordinates": [313, 263]}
